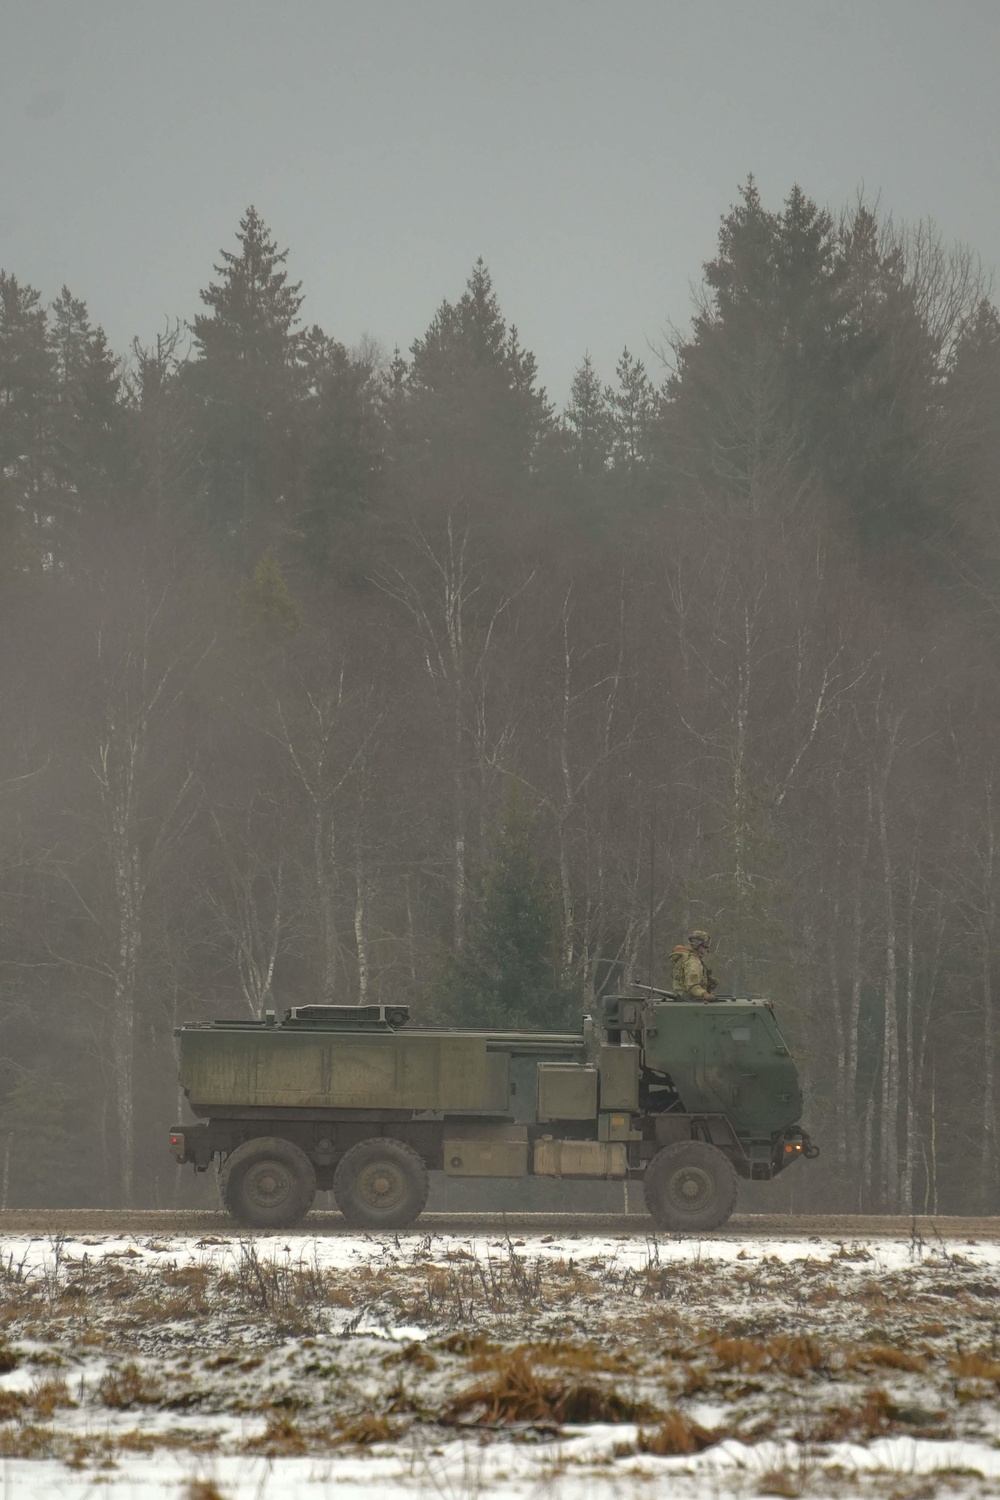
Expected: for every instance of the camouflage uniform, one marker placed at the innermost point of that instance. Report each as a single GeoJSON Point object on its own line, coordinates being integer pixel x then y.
{"type": "Point", "coordinates": [692, 976]}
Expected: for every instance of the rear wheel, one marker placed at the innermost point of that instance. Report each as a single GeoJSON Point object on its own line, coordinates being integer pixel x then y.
{"type": "Point", "coordinates": [268, 1183]}
{"type": "Point", "coordinates": [380, 1184]}
{"type": "Point", "coordinates": [690, 1186]}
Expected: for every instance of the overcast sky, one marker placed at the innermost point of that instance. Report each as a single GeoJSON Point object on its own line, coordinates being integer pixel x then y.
{"type": "Point", "coordinates": [586, 150]}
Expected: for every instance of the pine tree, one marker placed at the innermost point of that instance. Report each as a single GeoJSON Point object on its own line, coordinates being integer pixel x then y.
{"type": "Point", "coordinates": [88, 414]}
{"type": "Point", "coordinates": [751, 374]}
{"type": "Point", "coordinates": [630, 411]}
{"type": "Point", "coordinates": [588, 420]}
{"type": "Point", "coordinates": [473, 398]}
{"type": "Point", "coordinates": [247, 379]}
{"type": "Point", "coordinates": [27, 396]}
{"type": "Point", "coordinates": [162, 443]}
{"type": "Point", "coordinates": [810, 363]}
{"type": "Point", "coordinates": [507, 971]}
{"type": "Point", "coordinates": [971, 422]}
{"type": "Point", "coordinates": [268, 599]}
{"type": "Point", "coordinates": [343, 435]}
{"type": "Point", "coordinates": [881, 404]}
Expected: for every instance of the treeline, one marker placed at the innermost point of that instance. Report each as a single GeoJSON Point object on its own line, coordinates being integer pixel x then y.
{"type": "Point", "coordinates": [334, 675]}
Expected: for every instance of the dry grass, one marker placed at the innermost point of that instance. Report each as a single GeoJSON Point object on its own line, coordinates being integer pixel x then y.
{"type": "Point", "coordinates": [845, 1423]}
{"type": "Point", "coordinates": [581, 1357]}
{"type": "Point", "coordinates": [749, 1355]}
{"type": "Point", "coordinates": [26, 1441]}
{"type": "Point", "coordinates": [792, 1356]}
{"type": "Point", "coordinates": [974, 1366]}
{"type": "Point", "coordinates": [364, 1431]}
{"type": "Point", "coordinates": [677, 1435]}
{"type": "Point", "coordinates": [584, 1358]}
{"type": "Point", "coordinates": [891, 1358]}
{"type": "Point", "coordinates": [291, 1293]}
{"type": "Point", "coordinates": [414, 1356]}
{"type": "Point", "coordinates": [285, 1437]}
{"type": "Point", "coordinates": [877, 1415]}
{"type": "Point", "coordinates": [802, 1356]}
{"type": "Point", "coordinates": [12, 1404]}
{"type": "Point", "coordinates": [518, 1391]}
{"type": "Point", "coordinates": [280, 1437]}
{"type": "Point", "coordinates": [797, 1356]}
{"type": "Point", "coordinates": [505, 1284]}
{"type": "Point", "coordinates": [789, 1482]}
{"type": "Point", "coordinates": [467, 1343]}
{"type": "Point", "coordinates": [203, 1489]}
{"type": "Point", "coordinates": [48, 1395]}
{"type": "Point", "coordinates": [128, 1385]}
{"type": "Point", "coordinates": [192, 1278]}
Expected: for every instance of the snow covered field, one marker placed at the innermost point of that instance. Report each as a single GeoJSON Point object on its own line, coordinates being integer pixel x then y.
{"type": "Point", "coordinates": [567, 1365]}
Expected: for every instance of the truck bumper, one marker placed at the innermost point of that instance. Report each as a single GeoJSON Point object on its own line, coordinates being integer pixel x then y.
{"type": "Point", "coordinates": [190, 1143]}
{"type": "Point", "coordinates": [793, 1146]}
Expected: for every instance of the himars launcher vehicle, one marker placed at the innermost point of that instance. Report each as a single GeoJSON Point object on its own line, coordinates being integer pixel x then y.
{"type": "Point", "coordinates": [684, 1095]}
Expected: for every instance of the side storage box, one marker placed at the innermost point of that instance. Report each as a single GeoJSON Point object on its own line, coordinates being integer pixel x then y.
{"type": "Point", "coordinates": [579, 1158]}
{"type": "Point", "coordinates": [567, 1091]}
{"type": "Point", "coordinates": [619, 1069]}
{"type": "Point", "coordinates": [485, 1150]}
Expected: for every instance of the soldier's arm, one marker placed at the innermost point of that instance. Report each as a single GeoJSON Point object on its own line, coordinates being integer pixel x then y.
{"type": "Point", "coordinates": [694, 979]}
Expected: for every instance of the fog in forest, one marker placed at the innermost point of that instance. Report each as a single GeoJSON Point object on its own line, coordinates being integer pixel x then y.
{"type": "Point", "coordinates": [334, 671]}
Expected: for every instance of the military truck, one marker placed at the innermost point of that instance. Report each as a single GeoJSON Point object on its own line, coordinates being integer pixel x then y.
{"type": "Point", "coordinates": [685, 1096]}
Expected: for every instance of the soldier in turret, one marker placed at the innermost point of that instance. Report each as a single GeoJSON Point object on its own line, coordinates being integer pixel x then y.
{"type": "Point", "coordinates": [692, 976]}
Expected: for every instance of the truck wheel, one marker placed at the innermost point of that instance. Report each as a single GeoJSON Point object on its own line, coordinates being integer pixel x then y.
{"type": "Point", "coordinates": [268, 1183]}
{"type": "Point", "coordinates": [380, 1184]}
{"type": "Point", "coordinates": [690, 1186]}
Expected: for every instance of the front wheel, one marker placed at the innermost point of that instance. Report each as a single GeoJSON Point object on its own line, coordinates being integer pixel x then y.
{"type": "Point", "coordinates": [268, 1183]}
{"type": "Point", "coordinates": [380, 1184]}
{"type": "Point", "coordinates": [690, 1186]}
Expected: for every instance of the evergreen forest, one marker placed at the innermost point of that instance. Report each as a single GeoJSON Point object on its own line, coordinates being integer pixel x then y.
{"type": "Point", "coordinates": [335, 674]}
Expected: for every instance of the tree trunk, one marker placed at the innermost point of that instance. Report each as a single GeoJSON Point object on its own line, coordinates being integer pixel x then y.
{"type": "Point", "coordinates": [987, 1159]}
{"type": "Point", "coordinates": [931, 1189]}
{"type": "Point", "coordinates": [889, 1115]}
{"type": "Point", "coordinates": [865, 1175]}
{"type": "Point", "coordinates": [458, 876]}
{"type": "Point", "coordinates": [119, 758]}
{"type": "Point", "coordinates": [853, 1019]}
{"type": "Point", "coordinates": [361, 935]}
{"type": "Point", "coordinates": [840, 1044]}
{"type": "Point", "coordinates": [910, 1155]}
{"type": "Point", "coordinates": [323, 868]}
{"type": "Point", "coordinates": [987, 932]}
{"type": "Point", "coordinates": [411, 936]}
{"type": "Point", "coordinates": [5, 1186]}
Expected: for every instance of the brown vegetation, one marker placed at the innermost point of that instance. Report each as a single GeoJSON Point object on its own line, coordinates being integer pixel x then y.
{"type": "Point", "coordinates": [521, 1390]}
{"type": "Point", "coordinates": [129, 1385]}
{"type": "Point", "coordinates": [676, 1434]}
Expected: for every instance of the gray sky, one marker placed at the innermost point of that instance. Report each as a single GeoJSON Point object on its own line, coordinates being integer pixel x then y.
{"type": "Point", "coordinates": [586, 150]}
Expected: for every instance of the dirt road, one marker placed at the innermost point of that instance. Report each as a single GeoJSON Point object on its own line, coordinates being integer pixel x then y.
{"type": "Point", "coordinates": [76, 1221]}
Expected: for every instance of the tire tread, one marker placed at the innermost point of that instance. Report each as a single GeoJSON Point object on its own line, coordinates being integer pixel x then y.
{"type": "Point", "coordinates": [355, 1214]}
{"type": "Point", "coordinates": [230, 1177]}
{"type": "Point", "coordinates": [704, 1155]}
